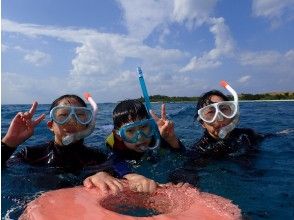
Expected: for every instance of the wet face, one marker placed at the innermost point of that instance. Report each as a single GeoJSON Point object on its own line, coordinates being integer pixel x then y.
{"type": "Point", "coordinates": [214, 127]}
{"type": "Point", "coordinates": [72, 126]}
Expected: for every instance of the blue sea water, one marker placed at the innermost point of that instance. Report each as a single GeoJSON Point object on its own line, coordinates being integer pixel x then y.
{"type": "Point", "coordinates": [262, 186]}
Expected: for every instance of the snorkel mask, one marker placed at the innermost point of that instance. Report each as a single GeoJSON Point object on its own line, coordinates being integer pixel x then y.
{"type": "Point", "coordinates": [83, 115]}
{"type": "Point", "coordinates": [137, 131]}
{"type": "Point", "coordinates": [220, 110]}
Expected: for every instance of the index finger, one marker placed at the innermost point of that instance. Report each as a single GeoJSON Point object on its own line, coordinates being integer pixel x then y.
{"type": "Point", "coordinates": [163, 112]}
{"type": "Point", "coordinates": [33, 108]}
{"type": "Point", "coordinates": [154, 116]}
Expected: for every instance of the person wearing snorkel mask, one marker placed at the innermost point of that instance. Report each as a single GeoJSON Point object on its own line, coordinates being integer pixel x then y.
{"type": "Point", "coordinates": [136, 133]}
{"type": "Point", "coordinates": [71, 121]}
{"type": "Point", "coordinates": [219, 117]}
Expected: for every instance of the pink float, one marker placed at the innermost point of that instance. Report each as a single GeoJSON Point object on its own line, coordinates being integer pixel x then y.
{"type": "Point", "coordinates": [179, 203]}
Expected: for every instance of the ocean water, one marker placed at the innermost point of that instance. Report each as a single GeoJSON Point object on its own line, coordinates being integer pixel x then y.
{"type": "Point", "coordinates": [261, 185]}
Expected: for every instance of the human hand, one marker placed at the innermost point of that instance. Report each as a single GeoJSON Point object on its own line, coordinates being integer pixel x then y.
{"type": "Point", "coordinates": [166, 127]}
{"type": "Point", "coordinates": [177, 185]}
{"type": "Point", "coordinates": [22, 127]}
{"type": "Point", "coordinates": [104, 182]}
{"type": "Point", "coordinates": [139, 183]}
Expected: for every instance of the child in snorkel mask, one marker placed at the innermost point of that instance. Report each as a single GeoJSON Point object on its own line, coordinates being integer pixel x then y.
{"type": "Point", "coordinates": [70, 121]}
{"type": "Point", "coordinates": [135, 133]}
{"type": "Point", "coordinates": [219, 117]}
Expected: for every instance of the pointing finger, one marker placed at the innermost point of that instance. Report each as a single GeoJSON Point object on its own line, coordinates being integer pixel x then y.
{"type": "Point", "coordinates": [33, 108]}
{"type": "Point", "coordinates": [163, 112]}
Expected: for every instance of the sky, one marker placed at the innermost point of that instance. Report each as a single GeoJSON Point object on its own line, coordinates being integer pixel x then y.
{"type": "Point", "coordinates": [185, 47]}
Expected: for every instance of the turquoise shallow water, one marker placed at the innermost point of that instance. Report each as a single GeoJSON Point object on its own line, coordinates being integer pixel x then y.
{"type": "Point", "coordinates": [261, 185]}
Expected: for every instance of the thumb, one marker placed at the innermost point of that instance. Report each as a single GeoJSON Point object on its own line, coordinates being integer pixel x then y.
{"type": "Point", "coordinates": [87, 183]}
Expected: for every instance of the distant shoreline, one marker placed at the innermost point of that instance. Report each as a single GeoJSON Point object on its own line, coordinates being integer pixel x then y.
{"type": "Point", "coordinates": [269, 100]}
{"type": "Point", "coordinates": [276, 100]}
{"type": "Point", "coordinates": [266, 97]}
{"type": "Point", "coordinates": [273, 100]}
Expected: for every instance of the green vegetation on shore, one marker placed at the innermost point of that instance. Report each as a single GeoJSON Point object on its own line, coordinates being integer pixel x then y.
{"type": "Point", "coordinates": [245, 96]}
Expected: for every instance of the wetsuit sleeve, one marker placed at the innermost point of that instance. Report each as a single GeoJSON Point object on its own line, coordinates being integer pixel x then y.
{"type": "Point", "coordinates": [9, 156]}
{"type": "Point", "coordinates": [165, 144]}
{"type": "Point", "coordinates": [6, 153]}
{"type": "Point", "coordinates": [254, 137]}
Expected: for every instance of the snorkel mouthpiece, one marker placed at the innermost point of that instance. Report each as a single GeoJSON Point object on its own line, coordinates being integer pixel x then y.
{"type": "Point", "coordinates": [224, 131]}
{"type": "Point", "coordinates": [70, 138]}
{"type": "Point", "coordinates": [148, 106]}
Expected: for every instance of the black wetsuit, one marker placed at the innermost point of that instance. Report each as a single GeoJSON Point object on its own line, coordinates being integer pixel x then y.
{"type": "Point", "coordinates": [241, 142]}
{"type": "Point", "coordinates": [72, 158]}
{"type": "Point", "coordinates": [238, 142]}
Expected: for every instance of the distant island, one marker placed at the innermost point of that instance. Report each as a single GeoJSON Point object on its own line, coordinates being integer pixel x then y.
{"type": "Point", "coordinates": [242, 96]}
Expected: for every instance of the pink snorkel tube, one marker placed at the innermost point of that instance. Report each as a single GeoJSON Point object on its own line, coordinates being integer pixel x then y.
{"type": "Point", "coordinates": [224, 131]}
{"type": "Point", "coordinates": [70, 138]}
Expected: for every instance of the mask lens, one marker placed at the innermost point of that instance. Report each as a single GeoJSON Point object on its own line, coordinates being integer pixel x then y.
{"type": "Point", "coordinates": [130, 133]}
{"type": "Point", "coordinates": [227, 109]}
{"type": "Point", "coordinates": [207, 113]}
{"type": "Point", "coordinates": [60, 114]}
{"type": "Point", "coordinates": [134, 131]}
{"type": "Point", "coordinates": [83, 115]}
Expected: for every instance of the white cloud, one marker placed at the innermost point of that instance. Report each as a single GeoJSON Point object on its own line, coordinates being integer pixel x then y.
{"type": "Point", "coordinates": [273, 10]}
{"type": "Point", "coordinates": [200, 63]}
{"type": "Point", "coordinates": [142, 17]}
{"type": "Point", "coordinates": [95, 57]}
{"type": "Point", "coordinates": [4, 47]}
{"type": "Point", "coordinates": [244, 79]}
{"type": "Point", "coordinates": [224, 46]}
{"type": "Point", "coordinates": [37, 58]}
{"type": "Point", "coordinates": [260, 58]}
{"type": "Point", "coordinates": [32, 30]}
{"type": "Point", "coordinates": [141, 20]}
{"type": "Point", "coordinates": [289, 56]}
{"type": "Point", "coordinates": [21, 88]}
{"type": "Point", "coordinates": [99, 53]}
{"type": "Point", "coordinates": [193, 12]}
{"type": "Point", "coordinates": [271, 62]}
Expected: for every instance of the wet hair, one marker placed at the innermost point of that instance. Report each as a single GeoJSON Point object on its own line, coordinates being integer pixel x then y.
{"type": "Point", "coordinates": [127, 111]}
{"type": "Point", "coordinates": [67, 96]}
{"type": "Point", "coordinates": [204, 100]}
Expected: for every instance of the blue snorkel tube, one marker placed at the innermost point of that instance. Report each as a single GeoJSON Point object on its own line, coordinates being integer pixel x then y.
{"type": "Point", "coordinates": [148, 106]}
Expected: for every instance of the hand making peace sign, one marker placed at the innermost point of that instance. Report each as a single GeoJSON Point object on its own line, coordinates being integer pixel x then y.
{"type": "Point", "coordinates": [166, 127]}
{"type": "Point", "coordinates": [22, 127]}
